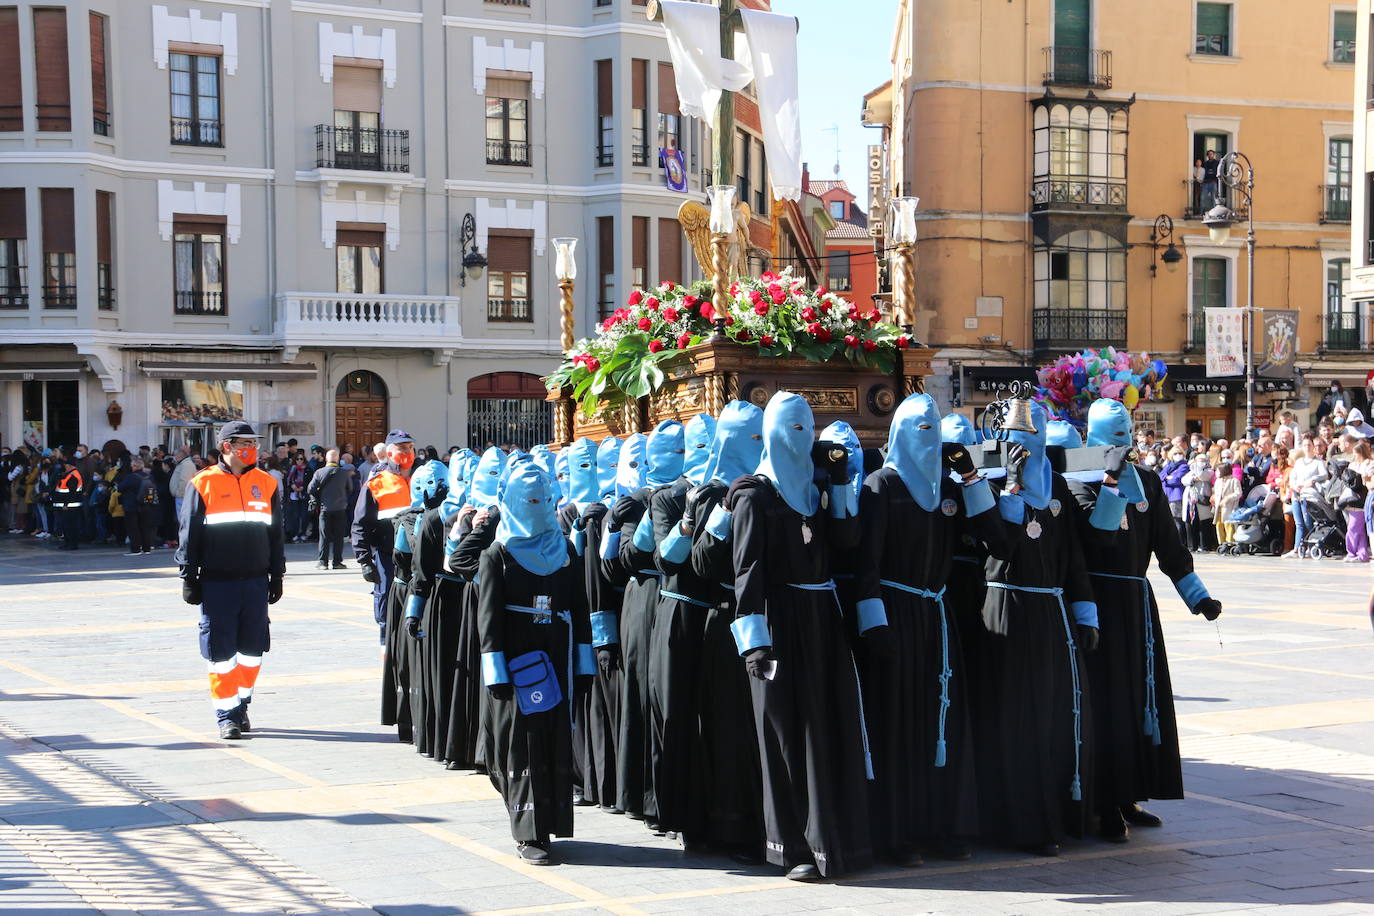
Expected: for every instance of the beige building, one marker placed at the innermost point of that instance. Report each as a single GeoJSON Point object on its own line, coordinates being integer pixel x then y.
{"type": "Point", "coordinates": [1045, 138]}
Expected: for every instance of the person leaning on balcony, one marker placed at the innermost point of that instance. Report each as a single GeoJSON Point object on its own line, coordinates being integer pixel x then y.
{"type": "Point", "coordinates": [1209, 179]}
{"type": "Point", "coordinates": [1198, 174]}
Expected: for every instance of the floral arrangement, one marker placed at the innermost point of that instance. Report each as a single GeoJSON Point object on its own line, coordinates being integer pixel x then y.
{"type": "Point", "coordinates": [775, 313]}
{"type": "Point", "coordinates": [1071, 383]}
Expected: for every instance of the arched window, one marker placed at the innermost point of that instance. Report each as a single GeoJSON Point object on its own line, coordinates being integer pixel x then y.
{"type": "Point", "coordinates": [508, 408]}
{"type": "Point", "coordinates": [1080, 155]}
{"type": "Point", "coordinates": [360, 384]}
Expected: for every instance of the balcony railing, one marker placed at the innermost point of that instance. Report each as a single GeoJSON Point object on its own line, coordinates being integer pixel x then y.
{"type": "Point", "coordinates": [605, 155]}
{"type": "Point", "coordinates": [1201, 196]}
{"type": "Point", "coordinates": [507, 2]}
{"type": "Point", "coordinates": [1055, 329]}
{"type": "Point", "coordinates": [1048, 193]}
{"type": "Point", "coordinates": [839, 284]}
{"type": "Point", "coordinates": [101, 123]}
{"type": "Point", "coordinates": [364, 319]}
{"type": "Point", "coordinates": [1335, 203]}
{"type": "Point", "coordinates": [508, 309]}
{"type": "Point", "coordinates": [14, 297]}
{"type": "Point", "coordinates": [1197, 329]}
{"type": "Point", "coordinates": [104, 287]}
{"type": "Point", "coordinates": [508, 152]}
{"type": "Point", "coordinates": [1068, 66]}
{"type": "Point", "coordinates": [54, 117]}
{"type": "Point", "coordinates": [199, 302]}
{"type": "Point", "coordinates": [368, 149]}
{"type": "Point", "coordinates": [59, 296]}
{"type": "Point", "coordinates": [1342, 330]}
{"type": "Point", "coordinates": [197, 132]}
{"type": "Point", "coordinates": [11, 118]}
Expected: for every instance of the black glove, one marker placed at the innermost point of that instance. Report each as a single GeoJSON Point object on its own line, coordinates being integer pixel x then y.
{"type": "Point", "coordinates": [1088, 638]}
{"type": "Point", "coordinates": [957, 458]}
{"type": "Point", "coordinates": [500, 691]}
{"type": "Point", "coordinates": [413, 628]}
{"type": "Point", "coordinates": [1209, 608]}
{"type": "Point", "coordinates": [695, 498]}
{"type": "Point", "coordinates": [878, 643]}
{"type": "Point", "coordinates": [832, 460]}
{"type": "Point", "coordinates": [190, 590]}
{"type": "Point", "coordinates": [608, 658]}
{"type": "Point", "coordinates": [1118, 456]}
{"type": "Point", "coordinates": [370, 574]}
{"type": "Point", "coordinates": [1017, 456]}
{"type": "Point", "coordinates": [758, 661]}
{"type": "Point", "coordinates": [274, 588]}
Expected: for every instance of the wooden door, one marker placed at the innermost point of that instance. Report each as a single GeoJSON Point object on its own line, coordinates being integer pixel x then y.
{"type": "Point", "coordinates": [359, 421]}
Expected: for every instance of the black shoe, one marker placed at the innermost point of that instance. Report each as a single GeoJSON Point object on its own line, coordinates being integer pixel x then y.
{"type": "Point", "coordinates": [244, 725]}
{"type": "Point", "coordinates": [147, 550]}
{"type": "Point", "coordinates": [612, 809]}
{"type": "Point", "coordinates": [340, 566]}
{"type": "Point", "coordinates": [956, 851]}
{"type": "Point", "coordinates": [580, 800]}
{"type": "Point", "coordinates": [1134, 814]}
{"type": "Point", "coordinates": [532, 853]}
{"type": "Point", "coordinates": [321, 565]}
{"type": "Point", "coordinates": [1114, 829]}
{"type": "Point", "coordinates": [805, 872]}
{"type": "Point", "coordinates": [909, 858]}
{"type": "Point", "coordinates": [229, 731]}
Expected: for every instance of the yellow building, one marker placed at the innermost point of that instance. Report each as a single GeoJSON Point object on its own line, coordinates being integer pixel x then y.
{"type": "Point", "coordinates": [1045, 138]}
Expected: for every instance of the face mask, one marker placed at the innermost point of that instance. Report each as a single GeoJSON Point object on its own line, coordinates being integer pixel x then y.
{"type": "Point", "coordinates": [248, 454]}
{"type": "Point", "coordinates": [404, 460]}
{"type": "Point", "coordinates": [78, 455]}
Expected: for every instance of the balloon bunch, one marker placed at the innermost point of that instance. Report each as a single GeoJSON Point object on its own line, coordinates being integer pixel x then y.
{"type": "Point", "coordinates": [1072, 382]}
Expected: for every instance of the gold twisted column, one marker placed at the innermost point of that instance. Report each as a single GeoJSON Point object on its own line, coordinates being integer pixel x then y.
{"type": "Point", "coordinates": [565, 288]}
{"type": "Point", "coordinates": [720, 280]}
{"type": "Point", "coordinates": [907, 307]}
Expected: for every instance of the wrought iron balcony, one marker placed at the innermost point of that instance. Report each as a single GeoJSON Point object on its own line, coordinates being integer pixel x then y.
{"type": "Point", "coordinates": [1342, 330]}
{"type": "Point", "coordinates": [1069, 66]}
{"type": "Point", "coordinates": [508, 309]}
{"type": "Point", "coordinates": [104, 287]}
{"type": "Point", "coordinates": [1335, 203]}
{"type": "Point", "coordinates": [367, 149]}
{"type": "Point", "coordinates": [197, 132]}
{"type": "Point", "coordinates": [367, 319]}
{"type": "Point", "coordinates": [1201, 196]}
{"type": "Point", "coordinates": [14, 296]}
{"type": "Point", "coordinates": [100, 123]}
{"type": "Point", "coordinates": [1049, 193]}
{"type": "Point", "coordinates": [508, 152]}
{"type": "Point", "coordinates": [840, 284]}
{"type": "Point", "coordinates": [1073, 329]}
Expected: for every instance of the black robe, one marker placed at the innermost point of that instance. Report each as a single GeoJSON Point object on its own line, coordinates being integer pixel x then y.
{"type": "Point", "coordinates": [809, 717]}
{"type": "Point", "coordinates": [529, 757]}
{"type": "Point", "coordinates": [1130, 765]}
{"type": "Point", "coordinates": [1025, 726]}
{"type": "Point", "coordinates": [442, 593]}
{"type": "Point", "coordinates": [465, 707]}
{"type": "Point", "coordinates": [601, 707]}
{"type": "Point", "coordinates": [924, 790]}
{"type": "Point", "coordinates": [396, 705]}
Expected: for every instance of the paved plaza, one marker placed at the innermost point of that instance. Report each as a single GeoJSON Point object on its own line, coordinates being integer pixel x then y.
{"type": "Point", "coordinates": [116, 796]}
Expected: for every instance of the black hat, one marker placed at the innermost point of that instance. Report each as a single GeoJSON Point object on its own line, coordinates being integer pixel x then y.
{"type": "Point", "coordinates": [237, 429]}
{"type": "Point", "coordinates": [397, 436]}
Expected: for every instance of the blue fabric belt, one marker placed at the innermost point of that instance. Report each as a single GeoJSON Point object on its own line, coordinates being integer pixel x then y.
{"type": "Point", "coordinates": [547, 617]}
{"type": "Point", "coordinates": [826, 586]}
{"type": "Point", "coordinates": [649, 572]}
{"type": "Point", "coordinates": [829, 586]}
{"type": "Point", "coordinates": [683, 598]}
{"type": "Point", "coordinates": [946, 672]}
{"type": "Point", "coordinates": [399, 581]}
{"type": "Point", "coordinates": [451, 577]}
{"type": "Point", "coordinates": [1076, 787]}
{"type": "Point", "coordinates": [1151, 720]}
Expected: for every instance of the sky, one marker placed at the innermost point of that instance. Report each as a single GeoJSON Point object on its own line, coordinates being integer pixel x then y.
{"type": "Point", "coordinates": [843, 47]}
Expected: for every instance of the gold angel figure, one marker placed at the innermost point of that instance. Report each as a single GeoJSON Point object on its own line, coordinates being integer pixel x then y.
{"type": "Point", "coordinates": [695, 219]}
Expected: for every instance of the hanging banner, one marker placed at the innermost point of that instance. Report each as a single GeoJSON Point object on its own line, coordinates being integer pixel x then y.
{"type": "Point", "coordinates": [674, 171]}
{"type": "Point", "coordinates": [1280, 343]}
{"type": "Point", "coordinates": [1225, 342]}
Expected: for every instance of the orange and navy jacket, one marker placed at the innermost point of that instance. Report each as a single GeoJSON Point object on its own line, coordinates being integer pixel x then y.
{"type": "Point", "coordinates": [231, 526]}
{"type": "Point", "coordinates": [70, 490]}
{"type": "Point", "coordinates": [385, 495]}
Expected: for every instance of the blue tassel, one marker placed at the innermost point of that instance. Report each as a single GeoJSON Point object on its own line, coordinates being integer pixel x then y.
{"type": "Point", "coordinates": [940, 753]}
{"type": "Point", "coordinates": [1076, 789]}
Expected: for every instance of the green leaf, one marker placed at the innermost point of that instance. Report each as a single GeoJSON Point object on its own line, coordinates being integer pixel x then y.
{"type": "Point", "coordinates": [637, 386]}
{"type": "Point", "coordinates": [655, 376]}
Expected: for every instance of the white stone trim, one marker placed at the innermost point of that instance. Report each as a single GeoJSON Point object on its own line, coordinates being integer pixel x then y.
{"type": "Point", "coordinates": [199, 201]}
{"type": "Point", "coordinates": [645, 29]}
{"type": "Point", "coordinates": [335, 210]}
{"type": "Point", "coordinates": [354, 12]}
{"type": "Point", "coordinates": [506, 56]}
{"type": "Point", "coordinates": [507, 215]}
{"type": "Point", "coordinates": [1202, 246]}
{"type": "Point", "coordinates": [1038, 91]}
{"type": "Point", "coordinates": [1210, 123]}
{"type": "Point", "coordinates": [192, 28]}
{"type": "Point", "coordinates": [354, 43]}
{"type": "Point", "coordinates": [132, 166]}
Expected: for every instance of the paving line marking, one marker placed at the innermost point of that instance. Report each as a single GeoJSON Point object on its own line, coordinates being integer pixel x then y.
{"type": "Point", "coordinates": [1255, 719]}
{"type": "Point", "coordinates": [1328, 673]}
{"type": "Point", "coordinates": [1324, 648]}
{"type": "Point", "coordinates": [86, 630]}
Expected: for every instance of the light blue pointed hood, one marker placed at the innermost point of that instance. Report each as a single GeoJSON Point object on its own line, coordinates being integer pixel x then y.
{"type": "Point", "coordinates": [1063, 433]}
{"type": "Point", "coordinates": [914, 448]}
{"type": "Point", "coordinates": [789, 431]}
{"type": "Point", "coordinates": [841, 433]}
{"type": "Point", "coordinates": [632, 470]}
{"type": "Point", "coordinates": [607, 458]}
{"type": "Point", "coordinates": [528, 527]}
{"type": "Point", "coordinates": [546, 459]}
{"type": "Point", "coordinates": [429, 484]}
{"type": "Point", "coordinates": [1109, 423]}
{"type": "Point", "coordinates": [698, 435]}
{"type": "Point", "coordinates": [486, 477]}
{"type": "Point", "coordinates": [738, 443]}
{"type": "Point", "coordinates": [583, 489]}
{"type": "Point", "coordinates": [665, 453]}
{"type": "Point", "coordinates": [460, 466]}
{"type": "Point", "coordinates": [1037, 481]}
{"type": "Point", "coordinates": [956, 427]}
{"type": "Point", "coordinates": [560, 465]}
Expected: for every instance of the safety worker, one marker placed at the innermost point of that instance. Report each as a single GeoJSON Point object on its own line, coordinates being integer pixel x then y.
{"type": "Point", "coordinates": [385, 495]}
{"type": "Point", "coordinates": [232, 562]}
{"type": "Point", "coordinates": [67, 498]}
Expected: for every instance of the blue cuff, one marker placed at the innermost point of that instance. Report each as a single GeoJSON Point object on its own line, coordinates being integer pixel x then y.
{"type": "Point", "coordinates": [1191, 590]}
{"type": "Point", "coordinates": [579, 540]}
{"type": "Point", "coordinates": [402, 542]}
{"type": "Point", "coordinates": [586, 661]}
{"type": "Point", "coordinates": [1110, 508]}
{"type": "Point", "coordinates": [415, 606]}
{"type": "Point", "coordinates": [605, 628]}
{"type": "Point", "coordinates": [610, 548]}
{"type": "Point", "coordinates": [718, 525]}
{"type": "Point", "coordinates": [675, 547]}
{"type": "Point", "coordinates": [1012, 507]}
{"type": "Point", "coordinates": [977, 498]}
{"type": "Point", "coordinates": [1129, 485]}
{"type": "Point", "coordinates": [419, 523]}
{"type": "Point", "coordinates": [644, 534]}
{"type": "Point", "coordinates": [872, 613]}
{"type": "Point", "coordinates": [751, 632]}
{"type": "Point", "coordinates": [844, 502]}
{"type": "Point", "coordinates": [494, 669]}
{"type": "Point", "coordinates": [1084, 612]}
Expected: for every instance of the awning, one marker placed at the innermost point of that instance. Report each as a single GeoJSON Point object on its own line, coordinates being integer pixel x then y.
{"type": "Point", "coordinates": [64, 371]}
{"type": "Point", "coordinates": [271, 372]}
{"type": "Point", "coordinates": [1193, 379]}
{"type": "Point", "coordinates": [986, 379]}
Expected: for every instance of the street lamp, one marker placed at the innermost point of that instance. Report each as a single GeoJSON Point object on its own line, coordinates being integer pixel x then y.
{"type": "Point", "coordinates": [721, 224]}
{"type": "Point", "coordinates": [1163, 232]}
{"type": "Point", "coordinates": [473, 261]}
{"type": "Point", "coordinates": [1238, 175]}
{"type": "Point", "coordinates": [565, 269]}
{"type": "Point", "coordinates": [902, 232]}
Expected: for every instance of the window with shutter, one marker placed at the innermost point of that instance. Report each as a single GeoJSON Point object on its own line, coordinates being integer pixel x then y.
{"type": "Point", "coordinates": [59, 248]}
{"type": "Point", "coordinates": [14, 283]}
{"type": "Point", "coordinates": [605, 266]}
{"type": "Point", "coordinates": [605, 115]}
{"type": "Point", "coordinates": [1343, 36]}
{"type": "Point", "coordinates": [1214, 29]}
{"type": "Point", "coordinates": [359, 258]}
{"type": "Point", "coordinates": [639, 251]}
{"type": "Point", "coordinates": [508, 275]}
{"type": "Point", "coordinates": [639, 113]}
{"type": "Point", "coordinates": [11, 104]}
{"type": "Point", "coordinates": [508, 102]}
{"type": "Point", "coordinates": [743, 172]}
{"type": "Point", "coordinates": [100, 89]}
{"type": "Point", "coordinates": [195, 93]}
{"type": "Point", "coordinates": [669, 250]}
{"type": "Point", "coordinates": [104, 249]}
{"type": "Point", "coordinates": [669, 113]}
{"type": "Point", "coordinates": [198, 268]}
{"type": "Point", "coordinates": [54, 101]}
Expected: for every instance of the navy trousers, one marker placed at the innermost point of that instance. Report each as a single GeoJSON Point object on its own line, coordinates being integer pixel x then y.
{"type": "Point", "coordinates": [234, 634]}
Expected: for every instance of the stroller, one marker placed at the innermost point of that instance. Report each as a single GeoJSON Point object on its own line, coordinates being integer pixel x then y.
{"type": "Point", "coordinates": [1327, 537]}
{"type": "Point", "coordinates": [1257, 530]}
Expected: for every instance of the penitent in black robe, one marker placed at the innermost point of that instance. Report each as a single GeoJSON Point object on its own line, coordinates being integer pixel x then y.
{"type": "Point", "coordinates": [1027, 735]}
{"type": "Point", "coordinates": [442, 593]}
{"type": "Point", "coordinates": [1131, 765]}
{"type": "Point", "coordinates": [464, 719]}
{"type": "Point", "coordinates": [601, 706]}
{"type": "Point", "coordinates": [396, 706]}
{"type": "Point", "coordinates": [809, 717]}
{"type": "Point", "coordinates": [529, 757]}
{"type": "Point", "coordinates": [920, 728]}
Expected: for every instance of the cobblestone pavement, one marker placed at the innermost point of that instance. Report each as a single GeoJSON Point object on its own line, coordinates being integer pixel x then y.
{"type": "Point", "coordinates": [116, 796]}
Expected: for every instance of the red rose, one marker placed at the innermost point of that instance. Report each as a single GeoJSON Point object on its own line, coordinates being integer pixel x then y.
{"type": "Point", "coordinates": [620, 314]}
{"type": "Point", "coordinates": [669, 284]}
{"type": "Point", "coordinates": [766, 340]}
{"type": "Point", "coordinates": [606, 325]}
{"type": "Point", "coordinates": [808, 314]}
{"type": "Point", "coordinates": [689, 300]}
{"type": "Point", "coordinates": [850, 340]}
{"type": "Point", "coordinates": [755, 296]}
{"type": "Point", "coordinates": [779, 299]}
{"type": "Point", "coordinates": [636, 297]}
{"type": "Point", "coordinates": [825, 305]}
{"type": "Point", "coordinates": [743, 334]}
{"type": "Point", "coordinates": [684, 341]}
{"type": "Point", "coordinates": [708, 311]}
{"type": "Point", "coordinates": [902, 342]}
{"type": "Point", "coordinates": [729, 320]}
{"type": "Point", "coordinates": [775, 290]}
{"type": "Point", "coordinates": [651, 303]}
{"type": "Point", "coordinates": [870, 346]}
{"type": "Point", "coordinates": [670, 314]}
{"type": "Point", "coordinates": [760, 308]}
{"type": "Point", "coordinates": [821, 291]}
{"type": "Point", "coordinates": [872, 316]}
{"type": "Point", "coordinates": [593, 364]}
{"type": "Point", "coordinates": [823, 335]}
{"type": "Point", "coordinates": [655, 345]}
{"type": "Point", "coordinates": [769, 276]}
{"type": "Point", "coordinates": [734, 288]}
{"type": "Point", "coordinates": [813, 329]}
{"type": "Point", "coordinates": [645, 324]}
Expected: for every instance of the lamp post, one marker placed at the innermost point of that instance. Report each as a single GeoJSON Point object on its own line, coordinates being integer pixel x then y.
{"type": "Point", "coordinates": [1163, 233]}
{"type": "Point", "coordinates": [565, 269]}
{"type": "Point", "coordinates": [1238, 175]}
{"type": "Point", "coordinates": [902, 232]}
{"type": "Point", "coordinates": [473, 260]}
{"type": "Point", "coordinates": [722, 223]}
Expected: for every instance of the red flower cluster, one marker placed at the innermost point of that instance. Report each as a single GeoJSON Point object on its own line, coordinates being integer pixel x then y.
{"type": "Point", "coordinates": [591, 362]}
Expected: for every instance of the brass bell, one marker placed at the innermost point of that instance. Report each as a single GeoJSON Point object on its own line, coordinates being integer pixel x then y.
{"type": "Point", "coordinates": [838, 454]}
{"type": "Point", "coordinates": [1019, 417]}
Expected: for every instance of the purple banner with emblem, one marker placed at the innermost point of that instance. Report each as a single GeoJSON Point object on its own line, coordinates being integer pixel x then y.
{"type": "Point", "coordinates": [674, 170]}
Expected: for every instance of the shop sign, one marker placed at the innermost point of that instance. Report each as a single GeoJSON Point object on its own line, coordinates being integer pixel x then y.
{"type": "Point", "coordinates": [1203, 386]}
{"type": "Point", "coordinates": [1264, 417]}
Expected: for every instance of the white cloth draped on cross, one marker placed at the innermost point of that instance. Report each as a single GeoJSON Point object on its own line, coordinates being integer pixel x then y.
{"type": "Point", "coordinates": [766, 54]}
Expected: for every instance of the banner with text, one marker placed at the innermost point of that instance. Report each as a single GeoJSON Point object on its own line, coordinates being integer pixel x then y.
{"type": "Point", "coordinates": [1280, 343]}
{"type": "Point", "coordinates": [1225, 342]}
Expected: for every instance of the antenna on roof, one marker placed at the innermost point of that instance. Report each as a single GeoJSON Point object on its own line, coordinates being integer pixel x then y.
{"type": "Point", "coordinates": [836, 129]}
